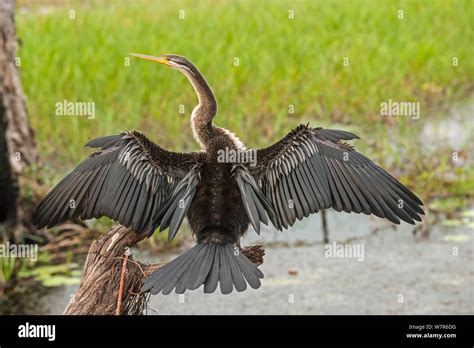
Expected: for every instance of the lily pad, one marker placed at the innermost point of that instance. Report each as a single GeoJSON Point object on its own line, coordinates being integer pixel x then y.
{"type": "Point", "coordinates": [468, 213]}
{"type": "Point", "coordinates": [456, 237]}
{"type": "Point", "coordinates": [60, 280]}
{"type": "Point", "coordinates": [452, 222]}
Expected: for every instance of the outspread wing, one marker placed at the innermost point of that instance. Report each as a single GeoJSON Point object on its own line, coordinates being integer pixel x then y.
{"type": "Point", "coordinates": [174, 209]}
{"type": "Point", "coordinates": [127, 180]}
{"type": "Point", "coordinates": [256, 205]}
{"type": "Point", "coordinates": [312, 169]}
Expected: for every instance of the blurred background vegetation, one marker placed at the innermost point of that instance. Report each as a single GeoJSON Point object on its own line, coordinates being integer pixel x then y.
{"type": "Point", "coordinates": [282, 62]}
{"type": "Point", "coordinates": [288, 53]}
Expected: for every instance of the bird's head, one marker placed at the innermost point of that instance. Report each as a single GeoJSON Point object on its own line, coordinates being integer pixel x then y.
{"type": "Point", "coordinates": [204, 93]}
{"type": "Point", "coordinates": [174, 61]}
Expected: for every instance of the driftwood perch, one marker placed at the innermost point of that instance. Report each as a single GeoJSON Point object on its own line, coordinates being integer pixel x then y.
{"type": "Point", "coordinates": [107, 263]}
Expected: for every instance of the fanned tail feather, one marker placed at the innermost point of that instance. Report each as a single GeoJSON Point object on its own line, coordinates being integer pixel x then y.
{"type": "Point", "coordinates": [207, 263]}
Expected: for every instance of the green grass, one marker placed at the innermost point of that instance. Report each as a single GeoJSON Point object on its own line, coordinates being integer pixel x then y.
{"type": "Point", "coordinates": [282, 62]}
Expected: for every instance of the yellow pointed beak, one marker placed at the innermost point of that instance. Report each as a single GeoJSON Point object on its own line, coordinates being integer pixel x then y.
{"type": "Point", "coordinates": [160, 59]}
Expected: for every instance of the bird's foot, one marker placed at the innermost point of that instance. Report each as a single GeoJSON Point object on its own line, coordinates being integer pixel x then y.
{"type": "Point", "coordinates": [254, 253]}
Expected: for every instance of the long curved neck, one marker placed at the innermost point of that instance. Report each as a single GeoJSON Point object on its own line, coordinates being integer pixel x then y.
{"type": "Point", "coordinates": [204, 112]}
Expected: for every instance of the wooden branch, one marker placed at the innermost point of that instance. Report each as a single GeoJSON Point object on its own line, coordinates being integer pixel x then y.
{"type": "Point", "coordinates": [104, 267]}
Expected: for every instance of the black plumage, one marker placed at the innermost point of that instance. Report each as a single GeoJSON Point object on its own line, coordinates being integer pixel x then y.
{"type": "Point", "coordinates": [137, 183]}
{"type": "Point", "coordinates": [128, 179]}
{"type": "Point", "coordinates": [337, 175]}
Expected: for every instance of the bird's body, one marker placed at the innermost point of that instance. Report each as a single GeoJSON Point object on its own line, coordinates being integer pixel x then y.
{"type": "Point", "coordinates": [139, 184]}
{"type": "Point", "coordinates": [217, 211]}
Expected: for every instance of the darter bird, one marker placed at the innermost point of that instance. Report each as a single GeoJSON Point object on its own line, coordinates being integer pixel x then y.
{"type": "Point", "coordinates": [136, 182]}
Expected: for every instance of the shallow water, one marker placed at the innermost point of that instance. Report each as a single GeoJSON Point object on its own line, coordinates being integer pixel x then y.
{"type": "Point", "coordinates": [453, 130]}
{"type": "Point", "coordinates": [425, 272]}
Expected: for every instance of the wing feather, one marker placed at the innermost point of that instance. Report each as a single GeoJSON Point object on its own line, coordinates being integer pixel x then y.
{"type": "Point", "coordinates": [316, 170]}
{"type": "Point", "coordinates": [127, 179]}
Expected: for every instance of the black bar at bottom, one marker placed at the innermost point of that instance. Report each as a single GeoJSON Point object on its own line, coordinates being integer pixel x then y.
{"type": "Point", "coordinates": [448, 331]}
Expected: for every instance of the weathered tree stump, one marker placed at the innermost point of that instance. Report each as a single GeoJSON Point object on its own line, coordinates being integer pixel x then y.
{"type": "Point", "coordinates": [100, 284]}
{"type": "Point", "coordinates": [17, 144]}
{"type": "Point", "coordinates": [107, 263]}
